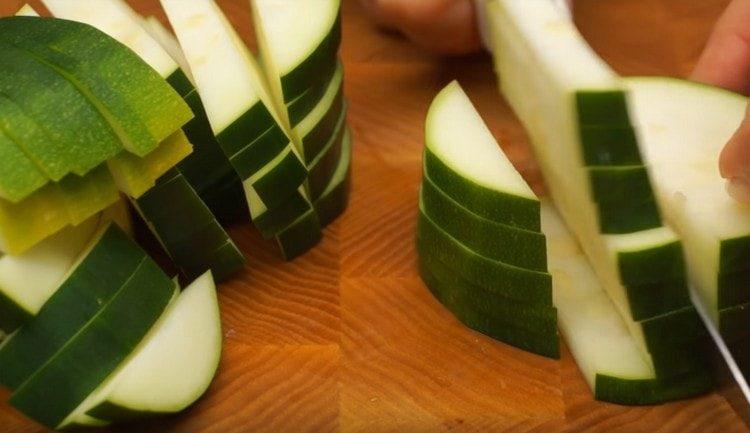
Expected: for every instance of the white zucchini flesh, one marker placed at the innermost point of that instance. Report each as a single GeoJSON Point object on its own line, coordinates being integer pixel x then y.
{"type": "Point", "coordinates": [222, 67]}
{"type": "Point", "coordinates": [30, 278]}
{"type": "Point", "coordinates": [167, 40]}
{"type": "Point", "coordinates": [544, 102]}
{"type": "Point", "coordinates": [173, 366]}
{"type": "Point", "coordinates": [596, 334]}
{"type": "Point", "coordinates": [684, 126]}
{"type": "Point", "coordinates": [110, 17]}
{"type": "Point", "coordinates": [458, 136]}
{"type": "Point", "coordinates": [288, 33]}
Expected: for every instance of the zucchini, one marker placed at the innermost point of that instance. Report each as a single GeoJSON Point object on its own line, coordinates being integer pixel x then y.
{"type": "Point", "coordinates": [464, 160]}
{"type": "Point", "coordinates": [152, 380]}
{"type": "Point", "coordinates": [187, 230]}
{"type": "Point", "coordinates": [240, 111]}
{"type": "Point", "coordinates": [714, 228]}
{"type": "Point", "coordinates": [299, 44]}
{"type": "Point", "coordinates": [531, 287]}
{"type": "Point", "coordinates": [53, 207]}
{"type": "Point", "coordinates": [140, 107]}
{"type": "Point", "coordinates": [28, 280]}
{"type": "Point", "coordinates": [322, 167]}
{"type": "Point", "coordinates": [207, 169]}
{"type": "Point", "coordinates": [608, 355]}
{"type": "Point", "coordinates": [316, 128]}
{"type": "Point", "coordinates": [21, 176]}
{"type": "Point", "coordinates": [540, 73]}
{"type": "Point", "coordinates": [334, 199]}
{"type": "Point", "coordinates": [511, 245]}
{"type": "Point", "coordinates": [112, 259]}
{"type": "Point", "coordinates": [575, 108]}
{"type": "Point", "coordinates": [68, 377]}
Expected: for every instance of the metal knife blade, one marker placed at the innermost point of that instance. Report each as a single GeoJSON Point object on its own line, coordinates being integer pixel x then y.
{"type": "Point", "coordinates": [732, 383]}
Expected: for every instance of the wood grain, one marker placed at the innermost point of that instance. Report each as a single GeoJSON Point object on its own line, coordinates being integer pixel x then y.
{"type": "Point", "coordinates": [347, 338]}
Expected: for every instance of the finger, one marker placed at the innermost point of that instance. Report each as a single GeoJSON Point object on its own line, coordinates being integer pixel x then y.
{"type": "Point", "coordinates": [725, 61]}
{"type": "Point", "coordinates": [734, 161]}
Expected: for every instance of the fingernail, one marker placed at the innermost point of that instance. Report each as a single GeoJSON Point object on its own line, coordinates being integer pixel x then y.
{"type": "Point", "coordinates": [739, 189]}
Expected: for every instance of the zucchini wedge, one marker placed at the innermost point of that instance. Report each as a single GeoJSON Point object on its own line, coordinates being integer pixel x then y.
{"type": "Point", "coordinates": [334, 199]}
{"type": "Point", "coordinates": [152, 381]}
{"type": "Point", "coordinates": [611, 360]}
{"type": "Point", "coordinates": [207, 168]}
{"type": "Point", "coordinates": [28, 280]}
{"type": "Point", "coordinates": [187, 230]}
{"type": "Point", "coordinates": [238, 106]}
{"type": "Point", "coordinates": [463, 159]}
{"type": "Point", "coordinates": [299, 43]}
{"type": "Point", "coordinates": [714, 227]}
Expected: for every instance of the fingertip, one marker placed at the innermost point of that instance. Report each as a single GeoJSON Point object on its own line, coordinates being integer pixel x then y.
{"type": "Point", "coordinates": [739, 189]}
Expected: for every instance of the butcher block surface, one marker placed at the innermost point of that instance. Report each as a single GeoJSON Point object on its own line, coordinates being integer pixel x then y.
{"type": "Point", "coordinates": [347, 338]}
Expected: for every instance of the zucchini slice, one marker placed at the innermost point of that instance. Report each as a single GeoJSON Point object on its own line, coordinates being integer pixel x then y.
{"type": "Point", "coordinates": [236, 102]}
{"type": "Point", "coordinates": [207, 168]}
{"type": "Point", "coordinates": [299, 43]}
{"type": "Point", "coordinates": [514, 246]}
{"type": "Point", "coordinates": [137, 103]}
{"type": "Point", "coordinates": [523, 285]}
{"type": "Point", "coordinates": [464, 160]}
{"type": "Point", "coordinates": [28, 280]}
{"type": "Point", "coordinates": [152, 380]}
{"type": "Point", "coordinates": [610, 358]}
{"type": "Point", "coordinates": [111, 260]}
{"type": "Point", "coordinates": [187, 230]}
{"type": "Point", "coordinates": [322, 167]}
{"type": "Point", "coordinates": [714, 227]}
{"type": "Point", "coordinates": [334, 199]}
{"type": "Point", "coordinates": [66, 379]}
{"type": "Point", "coordinates": [316, 128]}
{"type": "Point", "coordinates": [575, 107]}
{"type": "Point", "coordinates": [540, 73]}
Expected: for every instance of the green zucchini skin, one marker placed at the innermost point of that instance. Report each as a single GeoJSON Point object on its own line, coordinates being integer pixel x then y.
{"type": "Point", "coordinates": [133, 90]}
{"type": "Point", "coordinates": [615, 184]}
{"type": "Point", "coordinates": [275, 220]}
{"type": "Point", "coordinates": [496, 206]}
{"type": "Point", "coordinates": [321, 63]}
{"type": "Point", "coordinates": [609, 145]}
{"type": "Point", "coordinates": [303, 234]}
{"type": "Point", "coordinates": [281, 181]}
{"type": "Point", "coordinates": [22, 177]}
{"type": "Point", "coordinates": [314, 142]}
{"type": "Point", "coordinates": [64, 382]}
{"type": "Point", "coordinates": [511, 245]}
{"type": "Point", "coordinates": [652, 391]}
{"type": "Point", "coordinates": [304, 103]}
{"type": "Point", "coordinates": [187, 229]}
{"type": "Point", "coordinates": [447, 287]}
{"type": "Point", "coordinates": [628, 217]}
{"type": "Point", "coordinates": [523, 285]}
{"type": "Point", "coordinates": [602, 108]}
{"type": "Point", "coordinates": [335, 198]}
{"type": "Point", "coordinates": [13, 317]}
{"type": "Point", "coordinates": [181, 84]}
{"type": "Point", "coordinates": [106, 268]}
{"type": "Point", "coordinates": [488, 315]}
{"type": "Point", "coordinates": [208, 169]}
{"type": "Point", "coordinates": [322, 168]}
{"type": "Point", "coordinates": [54, 148]}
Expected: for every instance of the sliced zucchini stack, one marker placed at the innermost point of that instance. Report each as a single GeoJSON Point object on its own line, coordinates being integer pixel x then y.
{"type": "Point", "coordinates": [92, 343]}
{"type": "Point", "coordinates": [202, 182]}
{"type": "Point", "coordinates": [576, 111]}
{"type": "Point", "coordinates": [479, 241]}
{"type": "Point", "coordinates": [121, 128]}
{"type": "Point", "coordinates": [607, 353]}
{"type": "Point", "coordinates": [714, 228]}
{"type": "Point", "coordinates": [307, 82]}
{"type": "Point", "coordinates": [28, 279]}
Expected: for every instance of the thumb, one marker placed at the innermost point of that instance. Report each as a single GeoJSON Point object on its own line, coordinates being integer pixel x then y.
{"type": "Point", "coordinates": [734, 162]}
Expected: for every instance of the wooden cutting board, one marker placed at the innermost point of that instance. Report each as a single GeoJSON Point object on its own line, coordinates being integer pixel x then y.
{"type": "Point", "coordinates": [347, 338]}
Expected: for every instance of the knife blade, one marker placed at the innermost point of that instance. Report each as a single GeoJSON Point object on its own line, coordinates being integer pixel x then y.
{"type": "Point", "coordinates": [732, 383]}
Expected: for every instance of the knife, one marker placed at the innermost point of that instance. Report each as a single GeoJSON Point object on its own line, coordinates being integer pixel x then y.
{"type": "Point", "coordinates": [732, 382]}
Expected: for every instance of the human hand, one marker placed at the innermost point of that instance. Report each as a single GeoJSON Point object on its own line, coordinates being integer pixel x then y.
{"type": "Point", "coordinates": [726, 63]}
{"type": "Point", "coordinates": [441, 26]}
